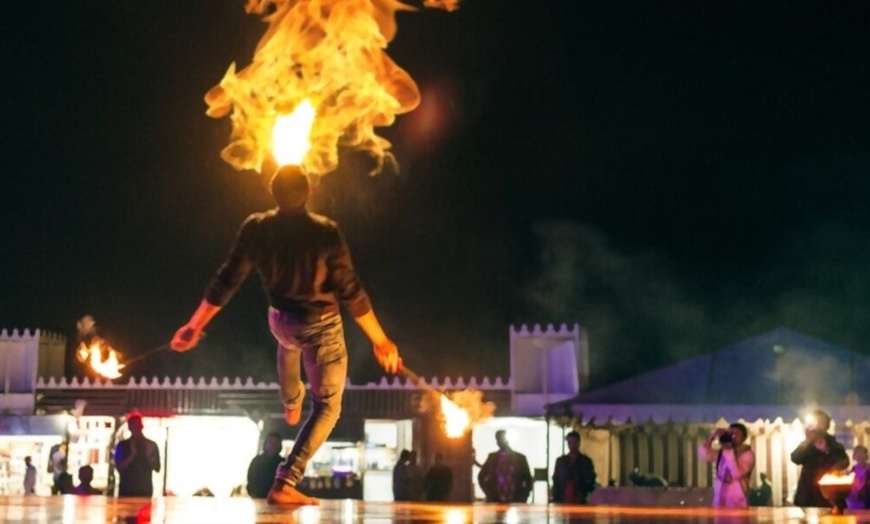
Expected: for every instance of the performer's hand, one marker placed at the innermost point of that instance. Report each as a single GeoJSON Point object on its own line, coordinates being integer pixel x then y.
{"type": "Point", "coordinates": [186, 338]}
{"type": "Point", "coordinates": [387, 355]}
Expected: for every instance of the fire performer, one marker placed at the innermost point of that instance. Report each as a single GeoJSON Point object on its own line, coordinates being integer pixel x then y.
{"type": "Point", "coordinates": [306, 269]}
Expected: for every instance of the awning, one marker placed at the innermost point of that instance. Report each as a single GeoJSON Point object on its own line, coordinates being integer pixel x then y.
{"type": "Point", "coordinates": [618, 414]}
{"type": "Point", "coordinates": [778, 374]}
{"type": "Point", "coordinates": [349, 428]}
{"type": "Point", "coordinates": [24, 425]}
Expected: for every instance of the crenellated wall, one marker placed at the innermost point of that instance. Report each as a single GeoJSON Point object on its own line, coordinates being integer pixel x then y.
{"type": "Point", "coordinates": [226, 383]}
{"type": "Point", "coordinates": [548, 364]}
{"type": "Point", "coordinates": [25, 356]}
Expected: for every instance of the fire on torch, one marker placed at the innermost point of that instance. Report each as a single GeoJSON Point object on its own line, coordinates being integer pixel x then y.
{"type": "Point", "coordinates": [457, 421]}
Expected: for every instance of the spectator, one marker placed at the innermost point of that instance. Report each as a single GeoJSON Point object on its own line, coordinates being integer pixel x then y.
{"type": "Point", "coordinates": [86, 476]}
{"type": "Point", "coordinates": [29, 476]}
{"type": "Point", "coordinates": [734, 463]}
{"type": "Point", "coordinates": [859, 498]}
{"type": "Point", "coordinates": [401, 479]}
{"type": "Point", "coordinates": [136, 458]}
{"type": "Point", "coordinates": [261, 471]}
{"type": "Point", "coordinates": [574, 474]}
{"type": "Point", "coordinates": [505, 475]}
{"type": "Point", "coordinates": [65, 484]}
{"type": "Point", "coordinates": [415, 477]}
{"type": "Point", "coordinates": [763, 496]}
{"type": "Point", "coordinates": [57, 464]}
{"type": "Point", "coordinates": [817, 455]}
{"type": "Point", "coordinates": [438, 481]}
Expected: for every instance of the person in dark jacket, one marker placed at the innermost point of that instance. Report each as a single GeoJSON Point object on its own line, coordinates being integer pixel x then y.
{"type": "Point", "coordinates": [574, 474]}
{"type": "Point", "coordinates": [306, 270]}
{"type": "Point", "coordinates": [136, 458]}
{"type": "Point", "coordinates": [261, 470]}
{"type": "Point", "coordinates": [817, 455]}
{"type": "Point", "coordinates": [505, 476]}
{"type": "Point", "coordinates": [438, 481]}
{"type": "Point", "coordinates": [401, 478]}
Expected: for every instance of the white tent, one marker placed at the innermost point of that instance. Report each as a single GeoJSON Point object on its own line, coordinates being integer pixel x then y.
{"type": "Point", "coordinates": [655, 421]}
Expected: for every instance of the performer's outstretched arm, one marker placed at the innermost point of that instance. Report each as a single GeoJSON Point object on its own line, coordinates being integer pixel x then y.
{"type": "Point", "coordinates": [188, 335]}
{"type": "Point", "coordinates": [386, 352]}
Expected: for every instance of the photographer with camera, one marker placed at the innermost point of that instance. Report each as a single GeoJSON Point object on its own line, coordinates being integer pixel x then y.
{"type": "Point", "coordinates": [734, 464]}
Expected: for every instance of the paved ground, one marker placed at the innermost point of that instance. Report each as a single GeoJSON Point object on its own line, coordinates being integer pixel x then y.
{"type": "Point", "coordinates": [93, 510]}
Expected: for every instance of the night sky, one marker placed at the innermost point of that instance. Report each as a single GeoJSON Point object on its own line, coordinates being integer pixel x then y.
{"type": "Point", "coordinates": [673, 176]}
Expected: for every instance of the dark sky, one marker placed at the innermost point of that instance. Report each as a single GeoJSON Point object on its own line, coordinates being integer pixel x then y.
{"type": "Point", "coordinates": [673, 176]}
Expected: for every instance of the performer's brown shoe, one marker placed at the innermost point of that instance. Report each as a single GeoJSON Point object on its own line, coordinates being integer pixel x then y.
{"type": "Point", "coordinates": [284, 494]}
{"type": "Point", "coordinates": [292, 415]}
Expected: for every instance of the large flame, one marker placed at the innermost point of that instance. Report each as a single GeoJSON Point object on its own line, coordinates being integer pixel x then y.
{"type": "Point", "coordinates": [290, 135]}
{"type": "Point", "coordinates": [462, 410]}
{"type": "Point", "coordinates": [330, 52]}
{"type": "Point", "coordinates": [456, 420]}
{"type": "Point", "coordinates": [110, 367]}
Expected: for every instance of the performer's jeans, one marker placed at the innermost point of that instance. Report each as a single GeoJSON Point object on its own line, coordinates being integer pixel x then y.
{"type": "Point", "coordinates": [321, 347]}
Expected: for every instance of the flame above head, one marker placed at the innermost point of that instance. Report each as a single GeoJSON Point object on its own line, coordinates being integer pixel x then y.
{"type": "Point", "coordinates": [331, 53]}
{"type": "Point", "coordinates": [837, 479]}
{"type": "Point", "coordinates": [456, 420]}
{"type": "Point", "coordinates": [290, 134]}
{"type": "Point", "coordinates": [110, 367]}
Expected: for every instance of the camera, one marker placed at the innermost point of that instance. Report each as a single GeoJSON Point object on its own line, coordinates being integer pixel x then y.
{"type": "Point", "coordinates": [725, 438]}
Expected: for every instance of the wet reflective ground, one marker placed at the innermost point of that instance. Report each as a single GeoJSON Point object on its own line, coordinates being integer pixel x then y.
{"type": "Point", "coordinates": [70, 509]}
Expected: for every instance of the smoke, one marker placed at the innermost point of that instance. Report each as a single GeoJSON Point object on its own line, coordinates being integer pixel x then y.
{"type": "Point", "coordinates": [807, 378]}
{"type": "Point", "coordinates": [641, 312]}
{"type": "Point", "coordinates": [817, 283]}
{"type": "Point", "coordinates": [636, 313]}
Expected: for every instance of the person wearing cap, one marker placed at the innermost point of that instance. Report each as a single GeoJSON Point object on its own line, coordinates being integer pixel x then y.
{"type": "Point", "coordinates": [306, 269]}
{"type": "Point", "coordinates": [136, 458]}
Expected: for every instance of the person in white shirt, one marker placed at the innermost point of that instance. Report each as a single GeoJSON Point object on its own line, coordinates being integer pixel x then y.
{"type": "Point", "coordinates": [734, 461]}
{"type": "Point", "coordinates": [58, 465]}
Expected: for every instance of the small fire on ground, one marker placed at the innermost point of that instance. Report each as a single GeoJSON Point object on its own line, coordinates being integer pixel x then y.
{"type": "Point", "coordinates": [831, 479]}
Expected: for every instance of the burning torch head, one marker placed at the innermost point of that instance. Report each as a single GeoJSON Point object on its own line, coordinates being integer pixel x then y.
{"type": "Point", "coordinates": [290, 187]}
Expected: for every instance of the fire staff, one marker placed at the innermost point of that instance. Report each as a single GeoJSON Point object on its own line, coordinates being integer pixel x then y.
{"type": "Point", "coordinates": [306, 269]}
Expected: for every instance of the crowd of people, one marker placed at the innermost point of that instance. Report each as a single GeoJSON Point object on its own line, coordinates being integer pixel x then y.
{"type": "Point", "coordinates": [62, 480]}
{"type": "Point", "coordinates": [135, 458]}
{"type": "Point", "coordinates": [818, 454]}
{"type": "Point", "coordinates": [411, 484]}
{"type": "Point", "coordinates": [505, 476]}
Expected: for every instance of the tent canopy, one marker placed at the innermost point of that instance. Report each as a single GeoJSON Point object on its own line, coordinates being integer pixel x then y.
{"type": "Point", "coordinates": [777, 374]}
